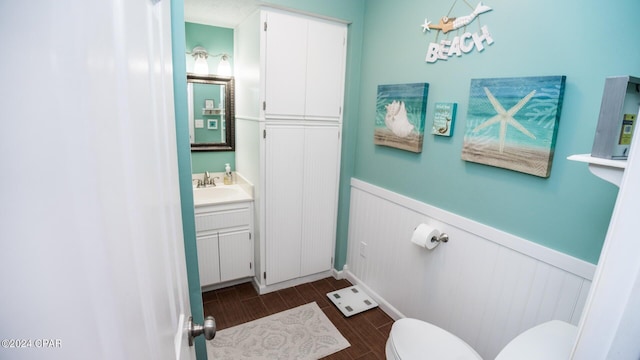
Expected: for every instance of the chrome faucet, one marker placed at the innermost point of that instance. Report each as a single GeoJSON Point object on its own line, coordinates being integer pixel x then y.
{"type": "Point", "coordinates": [207, 180]}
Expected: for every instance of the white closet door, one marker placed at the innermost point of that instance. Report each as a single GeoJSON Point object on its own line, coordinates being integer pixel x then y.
{"type": "Point", "coordinates": [285, 61]}
{"type": "Point", "coordinates": [322, 162]}
{"type": "Point", "coordinates": [236, 255]}
{"type": "Point", "coordinates": [283, 201]}
{"type": "Point", "coordinates": [325, 69]}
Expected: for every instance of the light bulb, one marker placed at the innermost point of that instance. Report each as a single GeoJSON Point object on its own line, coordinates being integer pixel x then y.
{"type": "Point", "coordinates": [200, 55]}
{"type": "Point", "coordinates": [224, 68]}
{"type": "Point", "coordinates": [200, 66]}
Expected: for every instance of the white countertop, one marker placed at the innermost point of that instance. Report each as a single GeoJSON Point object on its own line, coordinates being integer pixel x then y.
{"type": "Point", "coordinates": [239, 191]}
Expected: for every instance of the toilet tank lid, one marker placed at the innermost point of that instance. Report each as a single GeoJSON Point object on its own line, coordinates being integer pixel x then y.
{"type": "Point", "coordinates": [551, 340]}
{"type": "Point", "coordinates": [416, 339]}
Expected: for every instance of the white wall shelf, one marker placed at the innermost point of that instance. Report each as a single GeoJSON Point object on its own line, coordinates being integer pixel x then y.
{"type": "Point", "coordinates": [215, 111]}
{"type": "Point", "coordinates": [606, 169]}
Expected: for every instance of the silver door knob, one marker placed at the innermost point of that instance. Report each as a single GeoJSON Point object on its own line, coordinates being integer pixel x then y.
{"type": "Point", "coordinates": [208, 329]}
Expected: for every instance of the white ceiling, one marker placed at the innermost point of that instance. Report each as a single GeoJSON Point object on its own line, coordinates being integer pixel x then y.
{"type": "Point", "coordinates": [223, 13]}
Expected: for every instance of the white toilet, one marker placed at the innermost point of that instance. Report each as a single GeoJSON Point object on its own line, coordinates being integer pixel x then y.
{"type": "Point", "coordinates": [412, 339]}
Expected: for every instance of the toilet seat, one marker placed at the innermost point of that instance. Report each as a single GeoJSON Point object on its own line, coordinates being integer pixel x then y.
{"type": "Point", "coordinates": [414, 339]}
{"type": "Point", "coordinates": [552, 340]}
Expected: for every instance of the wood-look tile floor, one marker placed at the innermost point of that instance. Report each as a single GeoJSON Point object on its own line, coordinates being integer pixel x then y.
{"type": "Point", "coordinates": [367, 332]}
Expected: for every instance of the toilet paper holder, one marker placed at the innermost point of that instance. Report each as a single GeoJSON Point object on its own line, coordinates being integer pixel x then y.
{"type": "Point", "coordinates": [427, 236]}
{"type": "Point", "coordinates": [441, 238]}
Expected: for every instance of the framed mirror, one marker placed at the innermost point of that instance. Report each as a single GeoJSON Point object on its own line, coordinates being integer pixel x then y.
{"type": "Point", "coordinates": [211, 103]}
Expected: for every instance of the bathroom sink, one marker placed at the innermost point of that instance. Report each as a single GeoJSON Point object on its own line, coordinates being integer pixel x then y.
{"type": "Point", "coordinates": [220, 194]}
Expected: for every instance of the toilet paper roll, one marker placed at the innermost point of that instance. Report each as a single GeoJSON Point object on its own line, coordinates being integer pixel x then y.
{"type": "Point", "coordinates": [422, 236]}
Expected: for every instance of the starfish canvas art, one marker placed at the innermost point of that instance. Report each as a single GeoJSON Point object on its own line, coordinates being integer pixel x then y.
{"type": "Point", "coordinates": [512, 123]}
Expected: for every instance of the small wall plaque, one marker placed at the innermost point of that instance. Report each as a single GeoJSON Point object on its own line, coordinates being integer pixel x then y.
{"type": "Point", "coordinates": [444, 116]}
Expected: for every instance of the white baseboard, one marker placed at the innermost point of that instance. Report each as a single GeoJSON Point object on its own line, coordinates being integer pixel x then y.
{"type": "Point", "coordinates": [265, 289]}
{"type": "Point", "coordinates": [226, 284]}
{"type": "Point", "coordinates": [394, 313]}
{"type": "Point", "coordinates": [338, 275]}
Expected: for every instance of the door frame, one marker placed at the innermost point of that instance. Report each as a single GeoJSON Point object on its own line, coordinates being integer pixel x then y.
{"type": "Point", "coordinates": [178, 45]}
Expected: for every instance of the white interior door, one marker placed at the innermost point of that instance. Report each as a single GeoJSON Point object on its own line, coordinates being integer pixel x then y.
{"type": "Point", "coordinates": [92, 258]}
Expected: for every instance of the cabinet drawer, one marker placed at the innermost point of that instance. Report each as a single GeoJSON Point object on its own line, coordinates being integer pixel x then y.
{"type": "Point", "coordinates": [221, 219]}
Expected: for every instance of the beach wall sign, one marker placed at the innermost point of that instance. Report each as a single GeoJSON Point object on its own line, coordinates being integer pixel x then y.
{"type": "Point", "coordinates": [460, 44]}
{"type": "Point", "coordinates": [512, 123]}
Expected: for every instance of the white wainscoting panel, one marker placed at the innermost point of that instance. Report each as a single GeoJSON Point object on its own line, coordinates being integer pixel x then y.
{"type": "Point", "coordinates": [485, 286]}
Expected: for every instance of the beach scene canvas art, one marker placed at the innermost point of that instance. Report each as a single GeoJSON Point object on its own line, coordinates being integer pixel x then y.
{"type": "Point", "coordinates": [400, 116]}
{"type": "Point", "coordinates": [512, 123]}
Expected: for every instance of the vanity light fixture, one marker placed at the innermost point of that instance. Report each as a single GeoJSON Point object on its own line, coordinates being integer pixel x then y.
{"type": "Point", "coordinates": [224, 68]}
{"type": "Point", "coordinates": [201, 66]}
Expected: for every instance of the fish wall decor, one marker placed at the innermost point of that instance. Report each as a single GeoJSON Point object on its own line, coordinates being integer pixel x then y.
{"type": "Point", "coordinates": [459, 45]}
{"type": "Point", "coordinates": [447, 24]}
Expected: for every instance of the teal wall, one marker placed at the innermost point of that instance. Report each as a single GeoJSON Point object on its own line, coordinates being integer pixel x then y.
{"type": "Point", "coordinates": [184, 168]}
{"type": "Point", "coordinates": [216, 40]}
{"type": "Point", "coordinates": [568, 212]}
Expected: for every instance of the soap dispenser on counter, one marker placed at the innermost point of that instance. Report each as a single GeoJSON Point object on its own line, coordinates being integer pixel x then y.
{"type": "Point", "coordinates": [228, 176]}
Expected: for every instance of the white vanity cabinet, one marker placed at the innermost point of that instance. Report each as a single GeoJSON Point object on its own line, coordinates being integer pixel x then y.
{"type": "Point", "coordinates": [224, 241]}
